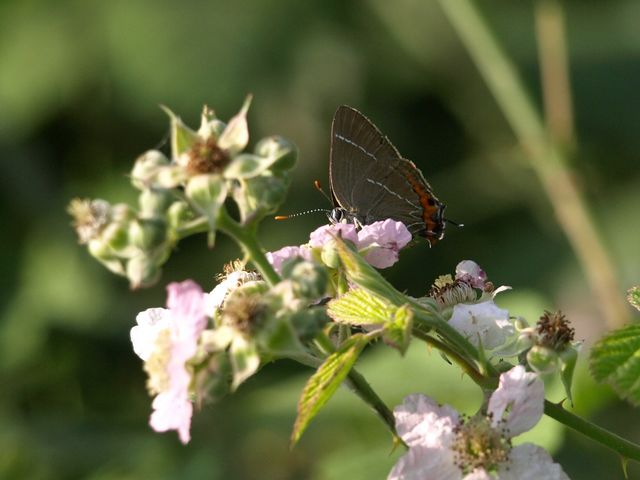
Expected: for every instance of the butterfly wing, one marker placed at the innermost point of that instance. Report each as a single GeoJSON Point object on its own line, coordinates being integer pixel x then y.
{"type": "Point", "coordinates": [357, 146]}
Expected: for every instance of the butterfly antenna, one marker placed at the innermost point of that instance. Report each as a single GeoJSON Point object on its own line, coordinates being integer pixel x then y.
{"type": "Point", "coordinates": [455, 224]}
{"type": "Point", "coordinates": [316, 184]}
{"type": "Point", "coordinates": [286, 217]}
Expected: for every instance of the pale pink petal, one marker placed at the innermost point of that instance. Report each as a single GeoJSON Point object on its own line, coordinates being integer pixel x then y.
{"type": "Point", "coordinates": [482, 323]}
{"type": "Point", "coordinates": [383, 241]}
{"type": "Point", "coordinates": [277, 258]}
{"type": "Point", "coordinates": [530, 462]}
{"type": "Point", "coordinates": [479, 474]}
{"type": "Point", "coordinates": [144, 335]}
{"type": "Point", "coordinates": [423, 463]}
{"type": "Point", "coordinates": [518, 401]}
{"type": "Point", "coordinates": [470, 272]}
{"type": "Point", "coordinates": [421, 421]}
{"type": "Point", "coordinates": [186, 300]}
{"type": "Point", "coordinates": [172, 411]}
{"type": "Point", "coordinates": [325, 233]}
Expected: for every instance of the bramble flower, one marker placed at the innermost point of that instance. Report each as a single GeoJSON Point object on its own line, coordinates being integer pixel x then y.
{"type": "Point", "coordinates": [166, 339]}
{"type": "Point", "coordinates": [380, 243]}
{"type": "Point", "coordinates": [233, 277]}
{"type": "Point", "coordinates": [443, 445]}
{"type": "Point", "coordinates": [470, 272]}
{"type": "Point", "coordinates": [482, 323]}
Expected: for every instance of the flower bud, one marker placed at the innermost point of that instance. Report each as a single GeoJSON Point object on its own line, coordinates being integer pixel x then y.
{"type": "Point", "coordinates": [147, 233]}
{"type": "Point", "coordinates": [178, 214]}
{"type": "Point", "coordinates": [154, 202]}
{"type": "Point", "coordinates": [115, 236]}
{"type": "Point", "coordinates": [309, 279]}
{"type": "Point", "coordinates": [142, 271]}
{"type": "Point", "coordinates": [542, 359]}
{"type": "Point", "coordinates": [207, 193]}
{"type": "Point", "coordinates": [329, 254]}
{"type": "Point", "coordinates": [282, 152]}
{"type": "Point", "coordinates": [146, 168]}
{"type": "Point", "coordinates": [261, 195]}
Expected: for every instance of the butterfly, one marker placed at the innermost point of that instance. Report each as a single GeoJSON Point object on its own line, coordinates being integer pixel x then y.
{"type": "Point", "coordinates": [370, 181]}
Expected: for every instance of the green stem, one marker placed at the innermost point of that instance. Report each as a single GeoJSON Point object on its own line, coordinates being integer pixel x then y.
{"type": "Point", "coordinates": [199, 225]}
{"type": "Point", "coordinates": [546, 159]}
{"type": "Point", "coordinates": [468, 367]}
{"type": "Point", "coordinates": [609, 439]}
{"type": "Point", "coordinates": [247, 240]}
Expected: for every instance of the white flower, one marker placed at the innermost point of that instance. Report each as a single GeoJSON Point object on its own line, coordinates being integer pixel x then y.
{"type": "Point", "coordinates": [443, 446]}
{"type": "Point", "coordinates": [215, 298]}
{"type": "Point", "coordinates": [482, 323]}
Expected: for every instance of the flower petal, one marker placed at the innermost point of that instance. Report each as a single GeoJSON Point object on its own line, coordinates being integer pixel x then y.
{"type": "Point", "coordinates": [530, 462]}
{"type": "Point", "coordinates": [277, 258]}
{"type": "Point", "coordinates": [483, 322]}
{"type": "Point", "coordinates": [383, 242]}
{"type": "Point", "coordinates": [423, 463]}
{"type": "Point", "coordinates": [421, 421]}
{"type": "Point", "coordinates": [323, 234]}
{"type": "Point", "coordinates": [172, 410]}
{"type": "Point", "coordinates": [144, 335]}
{"type": "Point", "coordinates": [518, 401]}
{"type": "Point", "coordinates": [470, 272]}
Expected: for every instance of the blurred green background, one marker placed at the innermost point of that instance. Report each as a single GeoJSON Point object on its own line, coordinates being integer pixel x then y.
{"type": "Point", "coordinates": [80, 84]}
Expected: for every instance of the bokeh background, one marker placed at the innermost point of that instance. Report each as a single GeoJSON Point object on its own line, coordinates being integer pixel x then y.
{"type": "Point", "coordinates": [80, 85]}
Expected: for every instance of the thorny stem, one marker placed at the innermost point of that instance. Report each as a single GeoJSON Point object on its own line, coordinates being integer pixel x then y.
{"type": "Point", "coordinates": [545, 157]}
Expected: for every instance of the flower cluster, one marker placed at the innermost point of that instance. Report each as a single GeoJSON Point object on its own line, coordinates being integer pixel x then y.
{"type": "Point", "coordinates": [379, 243]}
{"type": "Point", "coordinates": [185, 194]}
{"type": "Point", "coordinates": [444, 445]}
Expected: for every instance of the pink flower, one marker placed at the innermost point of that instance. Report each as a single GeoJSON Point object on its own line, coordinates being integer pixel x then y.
{"type": "Point", "coordinates": [437, 436]}
{"type": "Point", "coordinates": [166, 339]}
{"type": "Point", "coordinates": [383, 241]}
{"type": "Point", "coordinates": [470, 272]}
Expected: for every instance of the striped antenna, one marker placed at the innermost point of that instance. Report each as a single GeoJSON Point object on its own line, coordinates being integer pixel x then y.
{"type": "Point", "coordinates": [315, 210]}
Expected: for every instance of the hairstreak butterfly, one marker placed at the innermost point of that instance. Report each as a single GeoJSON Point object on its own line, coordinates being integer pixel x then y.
{"type": "Point", "coordinates": [370, 180]}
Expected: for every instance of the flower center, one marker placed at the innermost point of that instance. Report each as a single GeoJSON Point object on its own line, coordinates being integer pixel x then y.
{"type": "Point", "coordinates": [478, 445]}
{"type": "Point", "coordinates": [244, 312]}
{"type": "Point", "coordinates": [554, 330]}
{"type": "Point", "coordinates": [156, 365]}
{"type": "Point", "coordinates": [206, 157]}
{"type": "Point", "coordinates": [448, 292]}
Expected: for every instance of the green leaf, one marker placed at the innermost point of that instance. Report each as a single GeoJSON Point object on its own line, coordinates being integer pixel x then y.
{"type": "Point", "coordinates": [615, 359]}
{"type": "Point", "coordinates": [397, 332]}
{"type": "Point", "coordinates": [633, 296]}
{"type": "Point", "coordinates": [365, 276]}
{"type": "Point", "coordinates": [323, 384]}
{"type": "Point", "coordinates": [359, 307]}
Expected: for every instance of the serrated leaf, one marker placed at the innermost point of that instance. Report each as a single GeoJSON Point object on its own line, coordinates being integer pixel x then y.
{"type": "Point", "coordinates": [615, 359]}
{"type": "Point", "coordinates": [324, 383]}
{"type": "Point", "coordinates": [397, 332]}
{"type": "Point", "coordinates": [359, 307]}
{"type": "Point", "coordinates": [633, 296]}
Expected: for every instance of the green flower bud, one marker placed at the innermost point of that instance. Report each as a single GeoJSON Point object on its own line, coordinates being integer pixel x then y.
{"type": "Point", "coordinates": [146, 168]}
{"type": "Point", "coordinates": [329, 255]}
{"type": "Point", "coordinates": [207, 194]}
{"type": "Point", "coordinates": [261, 195]}
{"type": "Point", "coordinates": [142, 271]}
{"type": "Point", "coordinates": [116, 236]}
{"type": "Point", "coordinates": [147, 233]}
{"type": "Point", "coordinates": [178, 214]}
{"type": "Point", "coordinates": [309, 279]}
{"type": "Point", "coordinates": [542, 359]}
{"type": "Point", "coordinates": [282, 153]}
{"type": "Point", "coordinates": [100, 250]}
{"type": "Point", "coordinates": [154, 202]}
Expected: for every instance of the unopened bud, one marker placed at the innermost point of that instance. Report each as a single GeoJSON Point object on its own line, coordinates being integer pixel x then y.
{"type": "Point", "coordinates": [278, 148]}
{"type": "Point", "coordinates": [146, 168]}
{"type": "Point", "coordinates": [154, 202]}
{"type": "Point", "coordinates": [329, 254]}
{"type": "Point", "coordinates": [309, 279]}
{"type": "Point", "coordinates": [542, 359]}
{"type": "Point", "coordinates": [142, 271]}
{"type": "Point", "coordinates": [147, 234]}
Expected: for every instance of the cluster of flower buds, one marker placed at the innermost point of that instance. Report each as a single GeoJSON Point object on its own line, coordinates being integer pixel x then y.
{"type": "Point", "coordinates": [185, 194]}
